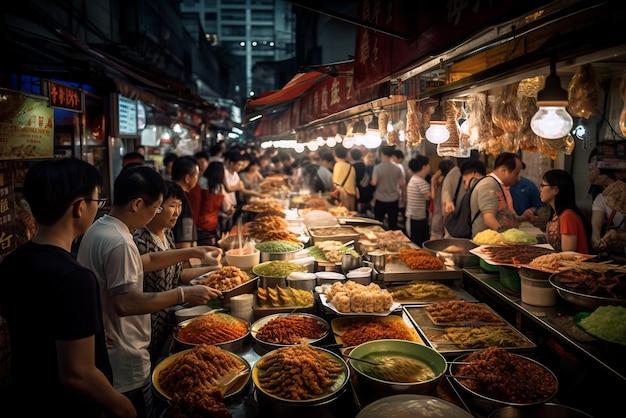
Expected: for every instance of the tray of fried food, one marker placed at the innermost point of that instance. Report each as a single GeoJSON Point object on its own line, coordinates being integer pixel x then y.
{"type": "Point", "coordinates": [262, 205]}
{"type": "Point", "coordinates": [426, 291]}
{"type": "Point", "coordinates": [351, 331]}
{"type": "Point", "coordinates": [266, 227]}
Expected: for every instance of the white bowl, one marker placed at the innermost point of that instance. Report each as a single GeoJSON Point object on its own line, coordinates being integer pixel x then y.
{"type": "Point", "coordinates": [188, 313]}
{"type": "Point", "coordinates": [244, 258]}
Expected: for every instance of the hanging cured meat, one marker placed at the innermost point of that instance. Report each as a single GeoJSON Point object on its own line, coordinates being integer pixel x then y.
{"type": "Point", "coordinates": [506, 117]}
{"type": "Point", "coordinates": [584, 92]}
{"type": "Point", "coordinates": [527, 138]}
{"type": "Point", "coordinates": [451, 147]}
{"type": "Point", "coordinates": [414, 137]}
{"type": "Point", "coordinates": [393, 138]}
{"type": "Point", "coordinates": [622, 118]}
{"type": "Point", "coordinates": [480, 126]}
{"type": "Point", "coordinates": [383, 120]}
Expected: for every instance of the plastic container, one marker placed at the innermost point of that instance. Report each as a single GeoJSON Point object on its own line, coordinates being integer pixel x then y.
{"type": "Point", "coordinates": [509, 279]}
{"type": "Point", "coordinates": [537, 292]}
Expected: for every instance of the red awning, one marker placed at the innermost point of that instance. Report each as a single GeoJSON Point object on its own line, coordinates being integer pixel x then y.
{"type": "Point", "coordinates": [295, 88]}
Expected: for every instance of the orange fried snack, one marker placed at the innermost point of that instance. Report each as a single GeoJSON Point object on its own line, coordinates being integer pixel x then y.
{"type": "Point", "coordinates": [420, 260]}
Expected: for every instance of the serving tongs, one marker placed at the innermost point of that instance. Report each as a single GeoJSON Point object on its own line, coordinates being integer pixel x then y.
{"type": "Point", "coordinates": [226, 382]}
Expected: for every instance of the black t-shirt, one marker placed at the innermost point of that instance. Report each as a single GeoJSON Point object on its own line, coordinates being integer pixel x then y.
{"type": "Point", "coordinates": [46, 296]}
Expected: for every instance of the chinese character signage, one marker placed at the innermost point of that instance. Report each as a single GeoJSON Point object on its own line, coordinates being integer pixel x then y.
{"type": "Point", "coordinates": [26, 126]}
{"type": "Point", "coordinates": [65, 97]}
{"type": "Point", "coordinates": [7, 211]}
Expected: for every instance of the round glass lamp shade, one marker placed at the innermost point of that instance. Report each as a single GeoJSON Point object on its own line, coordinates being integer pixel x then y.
{"type": "Point", "coordinates": [437, 132]}
{"type": "Point", "coordinates": [551, 122]}
{"type": "Point", "coordinates": [372, 140]}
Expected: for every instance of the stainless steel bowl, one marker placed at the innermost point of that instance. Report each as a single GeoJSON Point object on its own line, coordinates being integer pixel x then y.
{"type": "Point", "coordinates": [462, 259]}
{"type": "Point", "coordinates": [372, 350]}
{"type": "Point", "coordinates": [581, 299]}
{"type": "Point", "coordinates": [486, 404]}
{"type": "Point", "coordinates": [262, 347]}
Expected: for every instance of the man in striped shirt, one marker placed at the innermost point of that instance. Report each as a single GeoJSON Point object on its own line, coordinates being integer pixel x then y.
{"type": "Point", "coordinates": [418, 192]}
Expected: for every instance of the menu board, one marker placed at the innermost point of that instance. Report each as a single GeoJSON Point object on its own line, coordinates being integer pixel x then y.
{"type": "Point", "coordinates": [127, 116]}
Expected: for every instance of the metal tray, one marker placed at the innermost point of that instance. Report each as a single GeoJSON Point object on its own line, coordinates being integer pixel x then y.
{"type": "Point", "coordinates": [246, 287]}
{"type": "Point", "coordinates": [397, 271]}
{"type": "Point", "coordinates": [340, 324]}
{"type": "Point", "coordinates": [459, 294]}
{"type": "Point", "coordinates": [436, 337]}
{"type": "Point", "coordinates": [347, 233]}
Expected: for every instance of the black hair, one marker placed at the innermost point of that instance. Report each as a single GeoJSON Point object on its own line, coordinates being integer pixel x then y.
{"type": "Point", "coordinates": [507, 160]}
{"type": "Point", "coordinates": [173, 189]}
{"type": "Point", "coordinates": [417, 163]}
{"type": "Point", "coordinates": [169, 157]}
{"type": "Point", "coordinates": [398, 153]}
{"type": "Point", "coordinates": [201, 155]}
{"type": "Point", "coordinates": [356, 154]}
{"type": "Point", "coordinates": [445, 166]}
{"type": "Point", "coordinates": [138, 182]}
{"type": "Point", "coordinates": [566, 197]}
{"type": "Point", "coordinates": [387, 150]}
{"type": "Point", "coordinates": [133, 157]}
{"type": "Point", "coordinates": [215, 174]}
{"type": "Point", "coordinates": [182, 166]}
{"type": "Point", "coordinates": [473, 166]}
{"type": "Point", "coordinates": [51, 186]}
{"type": "Point", "coordinates": [341, 151]}
{"type": "Point", "coordinates": [326, 155]}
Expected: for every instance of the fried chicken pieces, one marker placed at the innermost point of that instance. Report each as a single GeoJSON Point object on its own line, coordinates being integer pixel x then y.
{"type": "Point", "coordinates": [188, 380]}
{"type": "Point", "coordinates": [298, 372]}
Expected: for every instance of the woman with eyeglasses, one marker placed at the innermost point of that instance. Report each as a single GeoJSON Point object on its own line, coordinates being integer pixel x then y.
{"type": "Point", "coordinates": [157, 236]}
{"type": "Point", "coordinates": [568, 229]}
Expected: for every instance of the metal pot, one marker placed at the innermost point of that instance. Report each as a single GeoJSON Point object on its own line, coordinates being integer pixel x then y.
{"type": "Point", "coordinates": [461, 260]}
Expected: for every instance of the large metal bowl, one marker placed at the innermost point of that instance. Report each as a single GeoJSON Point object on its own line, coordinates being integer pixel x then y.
{"type": "Point", "coordinates": [402, 349]}
{"type": "Point", "coordinates": [461, 259]}
{"type": "Point", "coordinates": [263, 347]}
{"type": "Point", "coordinates": [237, 345]}
{"type": "Point", "coordinates": [581, 299]}
{"type": "Point", "coordinates": [486, 404]}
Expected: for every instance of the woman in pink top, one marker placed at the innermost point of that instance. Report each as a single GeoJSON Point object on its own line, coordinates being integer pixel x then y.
{"type": "Point", "coordinates": [568, 229]}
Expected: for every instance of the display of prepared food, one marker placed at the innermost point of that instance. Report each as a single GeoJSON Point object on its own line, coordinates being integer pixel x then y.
{"type": "Point", "coordinates": [279, 246]}
{"type": "Point", "coordinates": [342, 233]}
{"type": "Point", "coordinates": [212, 328]}
{"type": "Point", "coordinates": [457, 339]}
{"type": "Point", "coordinates": [288, 297]}
{"type": "Point", "coordinates": [511, 255]}
{"type": "Point", "coordinates": [271, 228]}
{"type": "Point", "coordinates": [555, 262]}
{"type": "Point", "coordinates": [279, 373]}
{"type": "Point", "coordinates": [277, 268]}
{"type": "Point", "coordinates": [595, 279]}
{"type": "Point", "coordinates": [353, 297]}
{"type": "Point", "coordinates": [197, 370]}
{"type": "Point", "coordinates": [607, 323]}
{"type": "Point", "coordinates": [427, 292]}
{"type": "Point", "coordinates": [331, 251]}
{"type": "Point", "coordinates": [420, 259]}
{"type": "Point", "coordinates": [289, 329]}
{"type": "Point", "coordinates": [354, 330]}
{"type": "Point", "coordinates": [226, 278]}
{"type": "Point", "coordinates": [461, 312]}
{"type": "Point", "coordinates": [260, 205]}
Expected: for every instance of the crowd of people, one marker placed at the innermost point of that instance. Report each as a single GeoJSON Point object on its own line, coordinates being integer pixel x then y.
{"type": "Point", "coordinates": [108, 303]}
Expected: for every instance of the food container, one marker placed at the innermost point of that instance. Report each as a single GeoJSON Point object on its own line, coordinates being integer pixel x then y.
{"type": "Point", "coordinates": [280, 255]}
{"type": "Point", "coordinates": [412, 406]}
{"type": "Point", "coordinates": [458, 251]}
{"type": "Point", "coordinates": [546, 410]}
{"type": "Point", "coordinates": [262, 347]}
{"type": "Point", "coordinates": [329, 277]}
{"type": "Point", "coordinates": [396, 350]}
{"type": "Point", "coordinates": [581, 299]}
{"type": "Point", "coordinates": [301, 280]}
{"type": "Point", "coordinates": [509, 279]}
{"type": "Point", "coordinates": [486, 404]}
{"type": "Point", "coordinates": [378, 259]}
{"type": "Point", "coordinates": [536, 292]}
{"type": "Point", "coordinates": [341, 233]}
{"type": "Point", "coordinates": [190, 313]}
{"type": "Point", "coordinates": [274, 273]}
{"type": "Point", "coordinates": [320, 406]}
{"type": "Point", "coordinates": [362, 275]}
{"type": "Point", "coordinates": [350, 262]}
{"type": "Point", "coordinates": [244, 258]}
{"type": "Point", "coordinates": [236, 345]}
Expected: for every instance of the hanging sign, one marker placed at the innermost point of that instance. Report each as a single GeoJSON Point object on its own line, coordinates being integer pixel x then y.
{"type": "Point", "coordinates": [65, 97]}
{"type": "Point", "coordinates": [26, 126]}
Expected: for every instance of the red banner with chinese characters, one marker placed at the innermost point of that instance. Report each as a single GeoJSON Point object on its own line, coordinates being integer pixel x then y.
{"type": "Point", "coordinates": [26, 127]}
{"type": "Point", "coordinates": [407, 32]}
{"type": "Point", "coordinates": [65, 97]}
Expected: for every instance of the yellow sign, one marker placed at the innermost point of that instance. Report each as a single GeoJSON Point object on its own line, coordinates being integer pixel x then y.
{"type": "Point", "coordinates": [26, 126]}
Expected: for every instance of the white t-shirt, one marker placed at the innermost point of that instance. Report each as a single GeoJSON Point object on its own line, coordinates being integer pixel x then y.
{"type": "Point", "coordinates": [231, 180]}
{"type": "Point", "coordinates": [108, 249]}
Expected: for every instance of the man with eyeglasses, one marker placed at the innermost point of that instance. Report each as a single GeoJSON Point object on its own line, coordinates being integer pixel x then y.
{"type": "Point", "coordinates": [70, 362]}
{"type": "Point", "coordinates": [109, 250]}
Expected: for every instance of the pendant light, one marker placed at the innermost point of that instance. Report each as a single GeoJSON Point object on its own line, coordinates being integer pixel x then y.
{"type": "Point", "coordinates": [552, 120]}
{"type": "Point", "coordinates": [437, 132]}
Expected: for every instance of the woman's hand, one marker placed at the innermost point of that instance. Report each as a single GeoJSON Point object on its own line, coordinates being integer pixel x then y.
{"type": "Point", "coordinates": [200, 294]}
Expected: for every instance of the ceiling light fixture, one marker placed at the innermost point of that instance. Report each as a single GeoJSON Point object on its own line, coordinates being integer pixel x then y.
{"type": "Point", "coordinates": [437, 132]}
{"type": "Point", "coordinates": [552, 120]}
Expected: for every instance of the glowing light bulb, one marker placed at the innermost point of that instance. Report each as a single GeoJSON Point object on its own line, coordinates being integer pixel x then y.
{"type": "Point", "coordinates": [551, 122]}
{"type": "Point", "coordinates": [437, 132]}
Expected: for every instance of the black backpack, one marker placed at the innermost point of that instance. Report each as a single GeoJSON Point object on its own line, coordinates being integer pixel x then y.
{"type": "Point", "coordinates": [459, 223]}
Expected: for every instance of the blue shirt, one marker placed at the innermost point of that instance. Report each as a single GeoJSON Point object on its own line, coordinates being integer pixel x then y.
{"type": "Point", "coordinates": [525, 194]}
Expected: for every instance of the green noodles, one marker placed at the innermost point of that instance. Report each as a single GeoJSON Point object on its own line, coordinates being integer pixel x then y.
{"type": "Point", "coordinates": [277, 268]}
